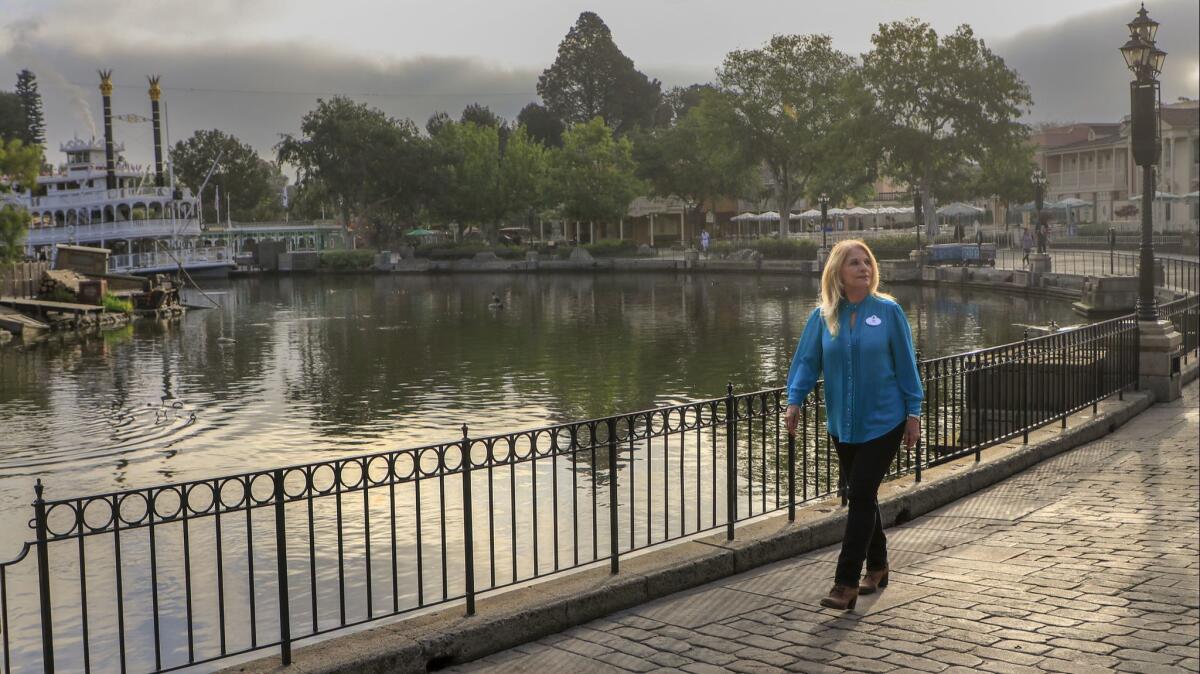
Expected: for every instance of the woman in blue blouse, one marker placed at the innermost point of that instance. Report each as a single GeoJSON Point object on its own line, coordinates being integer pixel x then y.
{"type": "Point", "coordinates": [860, 340]}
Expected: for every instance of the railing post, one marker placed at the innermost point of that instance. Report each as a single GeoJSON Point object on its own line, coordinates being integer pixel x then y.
{"type": "Point", "coordinates": [791, 473]}
{"type": "Point", "coordinates": [468, 533]}
{"type": "Point", "coordinates": [1025, 389]}
{"type": "Point", "coordinates": [43, 557]}
{"type": "Point", "coordinates": [613, 501]}
{"type": "Point", "coordinates": [285, 606]}
{"type": "Point", "coordinates": [924, 418]}
{"type": "Point", "coordinates": [730, 461]}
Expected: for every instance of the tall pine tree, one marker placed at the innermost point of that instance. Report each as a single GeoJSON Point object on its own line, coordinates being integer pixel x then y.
{"type": "Point", "coordinates": [31, 103]}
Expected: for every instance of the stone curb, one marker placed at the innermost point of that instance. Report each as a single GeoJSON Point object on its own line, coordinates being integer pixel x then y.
{"type": "Point", "coordinates": [430, 641]}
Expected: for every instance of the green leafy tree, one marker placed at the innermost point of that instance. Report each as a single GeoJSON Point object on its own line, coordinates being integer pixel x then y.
{"type": "Point", "coordinates": [679, 100]}
{"type": "Point", "coordinates": [12, 117]}
{"type": "Point", "coordinates": [542, 125]}
{"type": "Point", "coordinates": [524, 176]}
{"type": "Point", "coordinates": [942, 102]}
{"type": "Point", "coordinates": [594, 179]}
{"type": "Point", "coordinates": [374, 169]}
{"type": "Point", "coordinates": [592, 78]}
{"type": "Point", "coordinates": [696, 159]}
{"type": "Point", "coordinates": [31, 105]}
{"type": "Point", "coordinates": [250, 185]}
{"type": "Point", "coordinates": [470, 174]}
{"type": "Point", "coordinates": [797, 110]}
{"type": "Point", "coordinates": [482, 115]}
{"type": "Point", "coordinates": [19, 165]}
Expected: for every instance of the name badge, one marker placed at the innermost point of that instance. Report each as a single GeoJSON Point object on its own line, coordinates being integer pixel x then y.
{"type": "Point", "coordinates": [873, 320]}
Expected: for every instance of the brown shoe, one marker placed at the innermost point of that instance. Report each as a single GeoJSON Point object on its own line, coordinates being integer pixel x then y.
{"type": "Point", "coordinates": [841, 597]}
{"type": "Point", "coordinates": [873, 580]}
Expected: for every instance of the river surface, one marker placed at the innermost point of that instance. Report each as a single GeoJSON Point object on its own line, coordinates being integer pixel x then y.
{"type": "Point", "coordinates": [297, 369]}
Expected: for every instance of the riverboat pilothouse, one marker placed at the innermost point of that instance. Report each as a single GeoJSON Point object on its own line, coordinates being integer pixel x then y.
{"type": "Point", "coordinates": [98, 199]}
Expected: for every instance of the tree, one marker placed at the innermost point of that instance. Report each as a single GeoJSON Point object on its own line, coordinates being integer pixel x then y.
{"type": "Point", "coordinates": [31, 105]}
{"type": "Point", "coordinates": [374, 169]}
{"type": "Point", "coordinates": [469, 170]}
{"type": "Point", "coordinates": [436, 122]}
{"type": "Point", "coordinates": [250, 186]}
{"type": "Point", "coordinates": [482, 115]}
{"type": "Point", "coordinates": [797, 110]}
{"type": "Point", "coordinates": [941, 103]}
{"type": "Point", "coordinates": [679, 100]}
{"type": "Point", "coordinates": [592, 78]}
{"type": "Point", "coordinates": [12, 117]}
{"type": "Point", "coordinates": [524, 175]}
{"type": "Point", "coordinates": [19, 163]}
{"type": "Point", "coordinates": [594, 177]}
{"type": "Point", "coordinates": [541, 124]}
{"type": "Point", "coordinates": [697, 159]}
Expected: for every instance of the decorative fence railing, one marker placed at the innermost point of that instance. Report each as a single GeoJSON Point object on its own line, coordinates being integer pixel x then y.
{"type": "Point", "coordinates": [184, 574]}
{"type": "Point", "coordinates": [1170, 272]}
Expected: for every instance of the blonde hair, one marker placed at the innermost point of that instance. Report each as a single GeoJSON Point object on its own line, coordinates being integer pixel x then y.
{"type": "Point", "coordinates": [832, 290]}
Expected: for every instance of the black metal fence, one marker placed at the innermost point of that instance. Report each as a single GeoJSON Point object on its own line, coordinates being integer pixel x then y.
{"type": "Point", "coordinates": [178, 575]}
{"type": "Point", "coordinates": [1171, 272]}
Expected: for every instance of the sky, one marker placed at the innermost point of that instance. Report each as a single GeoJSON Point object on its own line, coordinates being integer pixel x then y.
{"type": "Point", "coordinates": [254, 67]}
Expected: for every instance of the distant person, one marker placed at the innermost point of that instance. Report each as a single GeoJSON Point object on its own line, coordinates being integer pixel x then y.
{"type": "Point", "coordinates": [704, 242]}
{"type": "Point", "coordinates": [1026, 246]}
{"type": "Point", "coordinates": [1043, 233]}
{"type": "Point", "coordinates": [858, 339]}
{"type": "Point", "coordinates": [958, 232]}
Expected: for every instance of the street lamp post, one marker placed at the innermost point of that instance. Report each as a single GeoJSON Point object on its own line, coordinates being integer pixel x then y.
{"type": "Point", "coordinates": [824, 201]}
{"type": "Point", "coordinates": [1145, 60]}
{"type": "Point", "coordinates": [917, 215]}
{"type": "Point", "coordinates": [1039, 197]}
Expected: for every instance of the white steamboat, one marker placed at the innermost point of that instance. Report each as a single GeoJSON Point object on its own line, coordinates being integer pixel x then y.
{"type": "Point", "coordinates": [97, 199]}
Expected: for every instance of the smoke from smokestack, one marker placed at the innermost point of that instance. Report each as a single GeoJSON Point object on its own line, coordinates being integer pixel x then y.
{"type": "Point", "coordinates": [20, 51]}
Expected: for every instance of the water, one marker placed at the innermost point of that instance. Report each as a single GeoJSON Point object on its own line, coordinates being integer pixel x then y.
{"type": "Point", "coordinates": [290, 370]}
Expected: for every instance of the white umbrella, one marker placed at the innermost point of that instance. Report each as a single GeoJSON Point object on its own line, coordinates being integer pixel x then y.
{"type": "Point", "coordinates": [1158, 196]}
{"type": "Point", "coordinates": [859, 210]}
{"type": "Point", "coordinates": [744, 217]}
{"type": "Point", "coordinates": [836, 211]}
{"type": "Point", "coordinates": [959, 208]}
{"type": "Point", "coordinates": [811, 213]}
{"type": "Point", "coordinates": [1072, 202]}
{"type": "Point", "coordinates": [1192, 195]}
{"type": "Point", "coordinates": [769, 216]}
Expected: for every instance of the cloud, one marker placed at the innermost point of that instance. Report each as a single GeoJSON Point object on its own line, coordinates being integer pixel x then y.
{"type": "Point", "coordinates": [257, 92]}
{"type": "Point", "coordinates": [1075, 72]}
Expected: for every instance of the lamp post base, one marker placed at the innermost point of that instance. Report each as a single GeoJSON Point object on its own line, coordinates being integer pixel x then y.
{"type": "Point", "coordinates": [1158, 359]}
{"type": "Point", "coordinates": [1039, 263]}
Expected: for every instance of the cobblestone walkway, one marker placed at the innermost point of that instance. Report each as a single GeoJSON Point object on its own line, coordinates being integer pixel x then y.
{"type": "Point", "coordinates": [1089, 562]}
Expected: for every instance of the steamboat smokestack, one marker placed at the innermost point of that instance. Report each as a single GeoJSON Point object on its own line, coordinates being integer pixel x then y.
{"type": "Point", "coordinates": [110, 169]}
{"type": "Point", "coordinates": [155, 93]}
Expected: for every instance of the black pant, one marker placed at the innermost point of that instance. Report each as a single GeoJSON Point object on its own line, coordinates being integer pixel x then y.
{"type": "Point", "coordinates": [863, 466]}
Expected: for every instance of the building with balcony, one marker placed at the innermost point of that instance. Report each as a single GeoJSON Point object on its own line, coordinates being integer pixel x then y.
{"type": "Point", "coordinates": [1093, 162]}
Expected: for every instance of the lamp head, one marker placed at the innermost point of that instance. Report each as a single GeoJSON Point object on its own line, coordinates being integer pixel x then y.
{"type": "Point", "coordinates": [1143, 27]}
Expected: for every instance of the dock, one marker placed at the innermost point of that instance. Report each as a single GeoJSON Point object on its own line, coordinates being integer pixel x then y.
{"type": "Point", "coordinates": [18, 323]}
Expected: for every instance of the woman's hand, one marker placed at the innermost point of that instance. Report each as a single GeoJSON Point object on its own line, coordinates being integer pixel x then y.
{"type": "Point", "coordinates": [912, 432]}
{"type": "Point", "coordinates": [791, 418]}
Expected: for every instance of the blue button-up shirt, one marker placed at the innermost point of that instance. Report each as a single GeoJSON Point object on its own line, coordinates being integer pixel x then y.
{"type": "Point", "coordinates": [870, 369]}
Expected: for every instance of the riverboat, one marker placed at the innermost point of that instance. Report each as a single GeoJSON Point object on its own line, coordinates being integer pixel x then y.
{"type": "Point", "coordinates": [96, 198]}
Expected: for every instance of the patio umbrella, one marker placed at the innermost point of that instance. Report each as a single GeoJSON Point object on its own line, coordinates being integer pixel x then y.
{"type": "Point", "coordinates": [1072, 202]}
{"type": "Point", "coordinates": [958, 209]}
{"type": "Point", "coordinates": [1192, 195]}
{"type": "Point", "coordinates": [420, 232]}
{"type": "Point", "coordinates": [744, 217]}
{"type": "Point", "coordinates": [769, 216]}
{"type": "Point", "coordinates": [1158, 196]}
{"type": "Point", "coordinates": [811, 213]}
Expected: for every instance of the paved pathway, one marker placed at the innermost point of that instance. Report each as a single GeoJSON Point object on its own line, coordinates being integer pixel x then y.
{"type": "Point", "coordinates": [1089, 562]}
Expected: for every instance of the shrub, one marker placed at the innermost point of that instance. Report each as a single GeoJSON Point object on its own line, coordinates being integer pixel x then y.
{"type": "Point", "coordinates": [769, 248]}
{"type": "Point", "coordinates": [895, 247]}
{"type": "Point", "coordinates": [347, 260]}
{"type": "Point", "coordinates": [467, 249]}
{"type": "Point", "coordinates": [612, 248]}
{"type": "Point", "coordinates": [116, 305]}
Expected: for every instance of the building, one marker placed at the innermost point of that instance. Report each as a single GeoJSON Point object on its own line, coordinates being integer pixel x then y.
{"type": "Point", "coordinates": [1093, 162]}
